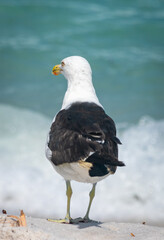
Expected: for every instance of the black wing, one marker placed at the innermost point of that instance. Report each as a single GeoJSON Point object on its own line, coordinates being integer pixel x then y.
{"type": "Point", "coordinates": [84, 132]}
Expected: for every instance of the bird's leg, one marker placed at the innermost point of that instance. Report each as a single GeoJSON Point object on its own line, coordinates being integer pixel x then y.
{"type": "Point", "coordinates": [86, 217]}
{"type": "Point", "coordinates": [91, 195]}
{"type": "Point", "coordinates": [69, 194]}
{"type": "Point", "coordinates": [67, 218]}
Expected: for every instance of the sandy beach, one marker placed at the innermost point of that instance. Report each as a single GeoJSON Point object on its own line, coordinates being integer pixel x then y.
{"type": "Point", "coordinates": [45, 230]}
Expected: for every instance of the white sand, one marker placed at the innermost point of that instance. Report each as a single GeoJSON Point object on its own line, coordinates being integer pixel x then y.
{"type": "Point", "coordinates": [41, 229]}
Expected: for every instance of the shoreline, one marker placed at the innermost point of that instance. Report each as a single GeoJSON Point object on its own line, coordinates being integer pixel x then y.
{"type": "Point", "coordinates": [42, 229]}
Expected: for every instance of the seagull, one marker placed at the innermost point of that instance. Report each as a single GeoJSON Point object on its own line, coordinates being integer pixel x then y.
{"type": "Point", "coordinates": [82, 142]}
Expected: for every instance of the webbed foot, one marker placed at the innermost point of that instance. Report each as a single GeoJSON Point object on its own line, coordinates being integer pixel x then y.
{"type": "Point", "coordinates": [65, 220]}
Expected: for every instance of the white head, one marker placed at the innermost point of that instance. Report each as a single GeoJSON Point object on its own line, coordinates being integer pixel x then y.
{"type": "Point", "coordinates": [78, 72]}
{"type": "Point", "coordinates": [74, 68]}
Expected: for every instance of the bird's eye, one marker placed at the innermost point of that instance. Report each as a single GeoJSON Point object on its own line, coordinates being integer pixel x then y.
{"type": "Point", "coordinates": [62, 63]}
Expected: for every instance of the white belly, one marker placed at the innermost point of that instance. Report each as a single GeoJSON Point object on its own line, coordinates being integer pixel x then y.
{"type": "Point", "coordinates": [76, 171]}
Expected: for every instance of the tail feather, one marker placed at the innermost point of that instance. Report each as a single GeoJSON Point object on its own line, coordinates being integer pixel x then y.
{"type": "Point", "coordinates": [105, 160]}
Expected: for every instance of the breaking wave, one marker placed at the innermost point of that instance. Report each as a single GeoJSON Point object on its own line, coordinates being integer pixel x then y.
{"type": "Point", "coordinates": [29, 182]}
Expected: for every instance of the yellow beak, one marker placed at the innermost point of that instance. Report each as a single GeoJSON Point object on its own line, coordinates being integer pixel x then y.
{"type": "Point", "coordinates": [56, 70]}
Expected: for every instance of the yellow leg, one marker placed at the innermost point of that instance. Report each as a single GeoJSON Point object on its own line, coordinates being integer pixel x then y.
{"type": "Point", "coordinates": [67, 219]}
{"type": "Point", "coordinates": [69, 194]}
{"type": "Point", "coordinates": [91, 195]}
{"type": "Point", "coordinates": [86, 218]}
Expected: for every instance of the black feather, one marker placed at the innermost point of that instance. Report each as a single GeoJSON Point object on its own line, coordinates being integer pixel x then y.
{"type": "Point", "coordinates": [81, 129]}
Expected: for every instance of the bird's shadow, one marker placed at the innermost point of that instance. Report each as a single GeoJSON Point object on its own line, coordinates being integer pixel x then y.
{"type": "Point", "coordinates": [82, 225]}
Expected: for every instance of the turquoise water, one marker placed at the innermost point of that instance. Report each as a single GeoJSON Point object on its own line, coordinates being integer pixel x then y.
{"type": "Point", "coordinates": [124, 43]}
{"type": "Point", "coordinates": [122, 40]}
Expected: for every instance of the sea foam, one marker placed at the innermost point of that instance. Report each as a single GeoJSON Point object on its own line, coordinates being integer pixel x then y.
{"type": "Point", "coordinates": [29, 182]}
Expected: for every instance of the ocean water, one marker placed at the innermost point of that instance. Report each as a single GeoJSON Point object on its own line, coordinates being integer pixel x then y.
{"type": "Point", "coordinates": [123, 41]}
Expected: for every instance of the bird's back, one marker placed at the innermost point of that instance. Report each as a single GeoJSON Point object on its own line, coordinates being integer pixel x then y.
{"type": "Point", "coordinates": [84, 134]}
